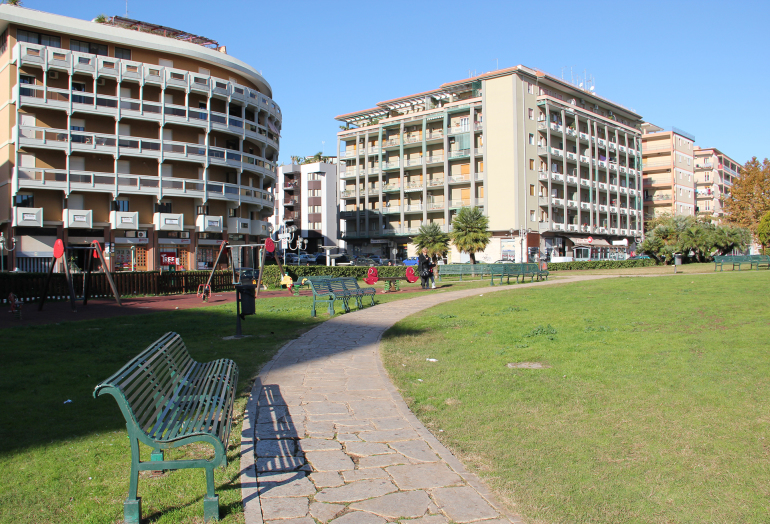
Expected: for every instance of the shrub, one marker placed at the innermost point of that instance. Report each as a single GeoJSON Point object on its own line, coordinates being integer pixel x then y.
{"type": "Point", "coordinates": [600, 264]}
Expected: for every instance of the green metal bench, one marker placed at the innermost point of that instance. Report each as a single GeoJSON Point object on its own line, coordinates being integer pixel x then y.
{"type": "Point", "coordinates": [305, 281]}
{"type": "Point", "coordinates": [170, 400]}
{"type": "Point", "coordinates": [351, 284]}
{"type": "Point", "coordinates": [760, 260]}
{"type": "Point", "coordinates": [736, 261]}
{"type": "Point", "coordinates": [323, 292]}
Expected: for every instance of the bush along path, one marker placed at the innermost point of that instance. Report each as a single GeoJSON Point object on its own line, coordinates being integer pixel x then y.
{"type": "Point", "coordinates": [326, 436]}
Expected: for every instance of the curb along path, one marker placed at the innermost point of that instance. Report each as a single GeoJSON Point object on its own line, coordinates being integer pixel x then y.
{"type": "Point", "coordinates": [327, 437]}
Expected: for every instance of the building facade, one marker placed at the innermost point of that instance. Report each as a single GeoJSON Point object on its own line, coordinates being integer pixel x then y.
{"type": "Point", "coordinates": [668, 171]}
{"type": "Point", "coordinates": [556, 168]}
{"type": "Point", "coordinates": [715, 173]}
{"type": "Point", "coordinates": [158, 146]}
{"type": "Point", "coordinates": [307, 199]}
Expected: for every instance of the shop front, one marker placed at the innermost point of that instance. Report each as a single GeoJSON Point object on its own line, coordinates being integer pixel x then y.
{"type": "Point", "coordinates": [77, 242]}
{"type": "Point", "coordinates": [207, 250]}
{"type": "Point", "coordinates": [173, 250]}
{"type": "Point", "coordinates": [131, 251]}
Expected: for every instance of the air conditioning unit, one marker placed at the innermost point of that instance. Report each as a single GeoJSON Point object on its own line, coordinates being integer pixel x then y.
{"type": "Point", "coordinates": [100, 81]}
{"type": "Point", "coordinates": [141, 234]}
{"type": "Point", "coordinates": [610, 113]}
{"type": "Point", "coordinates": [53, 74]}
{"type": "Point", "coordinates": [596, 107]}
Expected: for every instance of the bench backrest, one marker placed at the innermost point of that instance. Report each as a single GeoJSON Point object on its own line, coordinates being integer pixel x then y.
{"type": "Point", "coordinates": [320, 286]}
{"type": "Point", "coordinates": [337, 286]}
{"type": "Point", "coordinates": [162, 379]}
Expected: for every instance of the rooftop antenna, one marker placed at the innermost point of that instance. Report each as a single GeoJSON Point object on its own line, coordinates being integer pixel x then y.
{"type": "Point", "coordinates": [497, 64]}
{"type": "Point", "coordinates": [126, 8]}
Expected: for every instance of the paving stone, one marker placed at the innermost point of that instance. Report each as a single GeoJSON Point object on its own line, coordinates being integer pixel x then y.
{"type": "Point", "coordinates": [416, 449]}
{"type": "Point", "coordinates": [423, 476]}
{"type": "Point", "coordinates": [284, 507]}
{"type": "Point", "coordinates": [325, 512]}
{"type": "Point", "coordinates": [361, 490]}
{"type": "Point", "coordinates": [366, 473]}
{"type": "Point", "coordinates": [279, 463]}
{"type": "Point", "coordinates": [325, 408]}
{"type": "Point", "coordinates": [272, 414]}
{"type": "Point", "coordinates": [389, 435]}
{"type": "Point", "coordinates": [318, 444]}
{"type": "Point", "coordinates": [358, 517]}
{"type": "Point", "coordinates": [428, 519]}
{"type": "Point", "coordinates": [380, 461]}
{"type": "Point", "coordinates": [463, 504]}
{"type": "Point", "coordinates": [326, 479]}
{"type": "Point", "coordinates": [386, 424]}
{"type": "Point", "coordinates": [269, 431]}
{"type": "Point", "coordinates": [283, 485]}
{"type": "Point", "coordinates": [334, 460]}
{"type": "Point", "coordinates": [367, 448]}
{"type": "Point", "coordinates": [375, 408]}
{"type": "Point", "coordinates": [347, 437]}
{"type": "Point", "coordinates": [301, 520]}
{"type": "Point", "coordinates": [276, 448]}
{"type": "Point", "coordinates": [402, 504]}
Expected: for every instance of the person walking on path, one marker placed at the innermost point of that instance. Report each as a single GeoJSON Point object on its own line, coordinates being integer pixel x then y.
{"type": "Point", "coordinates": [424, 264]}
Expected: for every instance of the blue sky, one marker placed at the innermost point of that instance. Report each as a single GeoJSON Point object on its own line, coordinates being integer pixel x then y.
{"type": "Point", "coordinates": [697, 66]}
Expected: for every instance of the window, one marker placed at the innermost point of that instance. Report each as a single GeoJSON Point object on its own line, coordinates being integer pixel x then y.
{"type": "Point", "coordinates": [232, 212]}
{"type": "Point", "coordinates": [532, 163]}
{"type": "Point", "coordinates": [531, 139]}
{"type": "Point", "coordinates": [707, 177]}
{"type": "Point", "coordinates": [532, 190]}
{"type": "Point", "coordinates": [88, 47]}
{"type": "Point", "coordinates": [531, 113]}
{"type": "Point", "coordinates": [24, 201]}
{"type": "Point", "coordinates": [530, 88]}
{"type": "Point", "coordinates": [163, 207]}
{"type": "Point", "coordinates": [120, 205]}
{"type": "Point", "coordinates": [688, 161]}
{"type": "Point", "coordinates": [123, 53]}
{"type": "Point", "coordinates": [37, 38]}
{"type": "Point", "coordinates": [314, 209]}
{"type": "Point", "coordinates": [532, 215]}
{"type": "Point", "coordinates": [314, 176]}
{"type": "Point", "coordinates": [314, 192]}
{"type": "Point", "coordinates": [317, 225]}
{"type": "Point", "coordinates": [201, 210]}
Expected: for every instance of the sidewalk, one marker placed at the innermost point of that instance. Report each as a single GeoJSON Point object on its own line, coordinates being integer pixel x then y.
{"type": "Point", "coordinates": [326, 436]}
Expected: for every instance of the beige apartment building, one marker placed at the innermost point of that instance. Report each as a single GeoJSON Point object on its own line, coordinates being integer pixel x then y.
{"type": "Point", "coordinates": [668, 171]}
{"type": "Point", "coordinates": [553, 166]}
{"type": "Point", "coordinates": [151, 140]}
{"type": "Point", "coordinates": [715, 173]}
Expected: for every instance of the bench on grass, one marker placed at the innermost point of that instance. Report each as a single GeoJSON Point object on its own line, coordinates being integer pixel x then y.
{"type": "Point", "coordinates": [757, 261]}
{"type": "Point", "coordinates": [170, 400]}
{"type": "Point", "coordinates": [305, 281]}
{"type": "Point", "coordinates": [340, 289]}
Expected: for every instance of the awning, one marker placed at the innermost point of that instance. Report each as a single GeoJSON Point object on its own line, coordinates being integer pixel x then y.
{"type": "Point", "coordinates": [584, 242]}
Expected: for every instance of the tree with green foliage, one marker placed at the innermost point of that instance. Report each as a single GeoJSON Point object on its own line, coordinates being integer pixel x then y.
{"type": "Point", "coordinates": [431, 237]}
{"type": "Point", "coordinates": [763, 232]}
{"type": "Point", "coordinates": [470, 231]}
{"type": "Point", "coordinates": [697, 239]}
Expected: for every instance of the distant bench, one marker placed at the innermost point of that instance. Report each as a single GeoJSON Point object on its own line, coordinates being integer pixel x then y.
{"type": "Point", "coordinates": [754, 261]}
{"type": "Point", "coordinates": [170, 400]}
{"type": "Point", "coordinates": [516, 270]}
{"type": "Point", "coordinates": [339, 289]}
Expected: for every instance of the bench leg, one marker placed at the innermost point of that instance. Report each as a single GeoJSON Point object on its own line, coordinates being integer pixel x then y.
{"type": "Point", "coordinates": [331, 308]}
{"type": "Point", "coordinates": [132, 511]}
{"type": "Point", "coordinates": [372, 296]}
{"type": "Point", "coordinates": [211, 500]}
{"type": "Point", "coordinates": [312, 308]}
{"type": "Point", "coordinates": [132, 506]}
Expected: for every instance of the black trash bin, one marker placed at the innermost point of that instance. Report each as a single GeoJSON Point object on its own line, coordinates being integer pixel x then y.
{"type": "Point", "coordinates": [246, 296]}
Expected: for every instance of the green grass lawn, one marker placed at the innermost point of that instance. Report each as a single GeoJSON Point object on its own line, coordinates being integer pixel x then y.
{"type": "Point", "coordinates": [652, 405]}
{"type": "Point", "coordinates": [69, 462]}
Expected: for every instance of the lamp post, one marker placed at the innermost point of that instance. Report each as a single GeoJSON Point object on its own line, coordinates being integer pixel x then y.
{"type": "Point", "coordinates": [4, 247]}
{"type": "Point", "coordinates": [523, 231]}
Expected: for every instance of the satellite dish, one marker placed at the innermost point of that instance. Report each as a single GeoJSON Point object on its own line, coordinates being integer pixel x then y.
{"type": "Point", "coordinates": [592, 89]}
{"type": "Point", "coordinates": [581, 85]}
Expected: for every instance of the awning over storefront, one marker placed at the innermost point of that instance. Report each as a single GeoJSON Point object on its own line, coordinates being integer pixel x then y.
{"type": "Point", "coordinates": [599, 242]}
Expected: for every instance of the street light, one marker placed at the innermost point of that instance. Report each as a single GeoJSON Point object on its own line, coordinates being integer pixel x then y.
{"type": "Point", "coordinates": [523, 231]}
{"type": "Point", "coordinates": [4, 247]}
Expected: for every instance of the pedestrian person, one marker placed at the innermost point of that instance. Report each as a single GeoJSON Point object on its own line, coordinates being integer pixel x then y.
{"type": "Point", "coordinates": [432, 276]}
{"type": "Point", "coordinates": [424, 265]}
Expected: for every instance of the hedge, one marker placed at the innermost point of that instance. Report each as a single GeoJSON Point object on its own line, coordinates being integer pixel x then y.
{"type": "Point", "coordinates": [600, 264]}
{"type": "Point", "coordinates": [272, 277]}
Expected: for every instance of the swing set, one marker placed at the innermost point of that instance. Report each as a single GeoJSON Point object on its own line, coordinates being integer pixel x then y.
{"type": "Point", "coordinates": [59, 252]}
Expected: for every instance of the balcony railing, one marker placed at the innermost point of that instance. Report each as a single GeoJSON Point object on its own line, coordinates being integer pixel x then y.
{"type": "Point", "coordinates": [457, 153]}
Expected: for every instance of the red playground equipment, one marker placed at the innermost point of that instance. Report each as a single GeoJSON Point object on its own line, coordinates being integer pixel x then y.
{"type": "Point", "coordinates": [392, 283]}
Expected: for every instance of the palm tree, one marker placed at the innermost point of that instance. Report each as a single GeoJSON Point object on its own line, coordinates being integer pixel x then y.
{"type": "Point", "coordinates": [430, 236]}
{"type": "Point", "coordinates": [470, 231]}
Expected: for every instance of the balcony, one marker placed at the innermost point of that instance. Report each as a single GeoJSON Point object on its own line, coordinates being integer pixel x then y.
{"type": "Point", "coordinates": [27, 217]}
{"type": "Point", "coordinates": [260, 228]}
{"type": "Point", "coordinates": [348, 193]}
{"type": "Point", "coordinates": [78, 218]}
{"type": "Point", "coordinates": [435, 135]}
{"type": "Point", "coordinates": [347, 174]}
{"type": "Point", "coordinates": [412, 139]}
{"type": "Point", "coordinates": [391, 187]}
{"type": "Point", "coordinates": [236, 225]}
{"type": "Point", "coordinates": [459, 129]}
{"type": "Point", "coordinates": [168, 221]}
{"type": "Point", "coordinates": [459, 153]}
{"type": "Point", "coordinates": [408, 162]}
{"type": "Point", "coordinates": [435, 182]}
{"type": "Point", "coordinates": [436, 206]}
{"type": "Point", "coordinates": [571, 156]}
{"type": "Point", "coordinates": [459, 179]}
{"type": "Point", "coordinates": [583, 136]}
{"type": "Point", "coordinates": [391, 209]}
{"type": "Point", "coordinates": [435, 159]}
{"type": "Point", "coordinates": [413, 186]}
{"type": "Point", "coordinates": [412, 208]}
{"type": "Point", "coordinates": [557, 152]}
{"type": "Point", "coordinates": [390, 165]}
{"type": "Point", "coordinates": [456, 204]}
{"type": "Point", "coordinates": [124, 220]}
{"type": "Point", "coordinates": [208, 223]}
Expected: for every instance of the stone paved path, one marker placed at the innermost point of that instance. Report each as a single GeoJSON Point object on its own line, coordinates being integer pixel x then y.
{"type": "Point", "coordinates": [327, 438]}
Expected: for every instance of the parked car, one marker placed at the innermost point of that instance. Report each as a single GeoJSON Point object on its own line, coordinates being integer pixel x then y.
{"type": "Point", "coordinates": [392, 262]}
{"type": "Point", "coordinates": [506, 261]}
{"type": "Point", "coordinates": [363, 261]}
{"type": "Point", "coordinates": [305, 259]}
{"type": "Point", "coordinates": [377, 258]}
{"type": "Point", "coordinates": [341, 260]}
{"type": "Point", "coordinates": [320, 259]}
{"type": "Point", "coordinates": [638, 257]}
